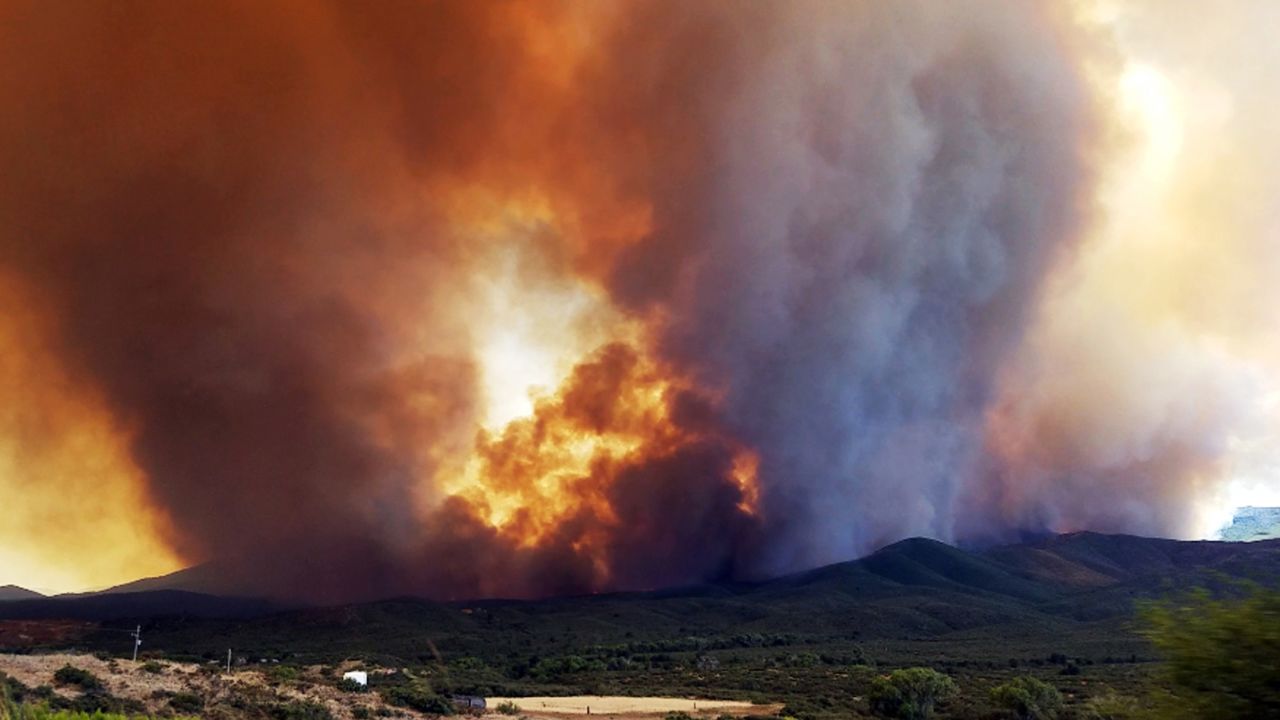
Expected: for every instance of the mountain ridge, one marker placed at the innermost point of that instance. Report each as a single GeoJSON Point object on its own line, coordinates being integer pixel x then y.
{"type": "Point", "coordinates": [15, 592]}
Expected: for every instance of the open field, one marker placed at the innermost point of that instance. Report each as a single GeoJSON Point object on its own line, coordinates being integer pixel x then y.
{"type": "Point", "coordinates": [613, 705]}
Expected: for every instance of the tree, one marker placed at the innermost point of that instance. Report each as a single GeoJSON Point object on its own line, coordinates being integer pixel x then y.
{"type": "Point", "coordinates": [911, 693]}
{"type": "Point", "coordinates": [1028, 698]}
{"type": "Point", "coordinates": [1221, 658]}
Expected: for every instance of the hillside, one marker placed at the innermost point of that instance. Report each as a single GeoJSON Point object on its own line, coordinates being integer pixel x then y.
{"type": "Point", "coordinates": [1058, 607]}
{"type": "Point", "coordinates": [1071, 589]}
{"type": "Point", "coordinates": [13, 592]}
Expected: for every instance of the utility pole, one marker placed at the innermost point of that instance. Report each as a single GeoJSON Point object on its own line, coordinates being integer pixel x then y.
{"type": "Point", "coordinates": [137, 641]}
{"type": "Point", "coordinates": [228, 661]}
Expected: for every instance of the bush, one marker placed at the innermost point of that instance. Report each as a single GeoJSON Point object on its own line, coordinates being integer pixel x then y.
{"type": "Point", "coordinates": [74, 676]}
{"type": "Point", "coordinates": [186, 703]}
{"type": "Point", "coordinates": [282, 673]}
{"type": "Point", "coordinates": [910, 694]}
{"type": "Point", "coordinates": [153, 667]}
{"type": "Point", "coordinates": [419, 699]}
{"type": "Point", "coordinates": [351, 686]}
{"type": "Point", "coordinates": [508, 708]}
{"type": "Point", "coordinates": [1111, 707]}
{"type": "Point", "coordinates": [1220, 654]}
{"type": "Point", "coordinates": [299, 710]}
{"type": "Point", "coordinates": [1028, 698]}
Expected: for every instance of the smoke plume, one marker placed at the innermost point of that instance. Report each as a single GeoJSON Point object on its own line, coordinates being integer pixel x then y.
{"type": "Point", "coordinates": [462, 299]}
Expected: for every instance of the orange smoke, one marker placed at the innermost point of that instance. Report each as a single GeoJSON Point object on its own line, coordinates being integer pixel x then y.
{"type": "Point", "coordinates": [76, 512]}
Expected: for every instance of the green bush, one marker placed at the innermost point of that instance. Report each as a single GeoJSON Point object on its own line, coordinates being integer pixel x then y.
{"type": "Point", "coordinates": [282, 673]}
{"type": "Point", "coordinates": [76, 677]}
{"type": "Point", "coordinates": [349, 685]}
{"type": "Point", "coordinates": [419, 699]}
{"type": "Point", "coordinates": [153, 667]}
{"type": "Point", "coordinates": [1221, 657]}
{"type": "Point", "coordinates": [508, 708]}
{"type": "Point", "coordinates": [910, 693]}
{"type": "Point", "coordinates": [186, 703]}
{"type": "Point", "coordinates": [1028, 698]}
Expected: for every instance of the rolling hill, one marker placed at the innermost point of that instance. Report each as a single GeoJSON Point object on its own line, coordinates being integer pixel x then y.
{"type": "Point", "coordinates": [13, 592]}
{"type": "Point", "coordinates": [1076, 590]}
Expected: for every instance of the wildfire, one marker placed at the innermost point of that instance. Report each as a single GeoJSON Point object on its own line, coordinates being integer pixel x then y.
{"type": "Point", "coordinates": [553, 472]}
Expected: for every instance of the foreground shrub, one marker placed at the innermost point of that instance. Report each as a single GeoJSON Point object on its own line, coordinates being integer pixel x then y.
{"type": "Point", "coordinates": [1221, 658]}
{"type": "Point", "coordinates": [508, 708]}
{"type": "Point", "coordinates": [1028, 698]}
{"type": "Point", "coordinates": [910, 694]}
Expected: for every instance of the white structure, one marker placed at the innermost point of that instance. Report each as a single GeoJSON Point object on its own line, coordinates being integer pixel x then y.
{"type": "Point", "coordinates": [359, 676]}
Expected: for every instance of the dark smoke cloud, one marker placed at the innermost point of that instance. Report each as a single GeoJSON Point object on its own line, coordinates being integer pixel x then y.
{"type": "Point", "coordinates": [880, 191]}
{"type": "Point", "coordinates": [239, 214]}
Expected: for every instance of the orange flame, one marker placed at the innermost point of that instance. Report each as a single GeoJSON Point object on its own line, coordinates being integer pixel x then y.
{"type": "Point", "coordinates": [560, 464]}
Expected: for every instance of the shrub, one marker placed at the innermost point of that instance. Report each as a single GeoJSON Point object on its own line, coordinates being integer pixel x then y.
{"type": "Point", "coordinates": [351, 686]}
{"type": "Point", "coordinates": [299, 710]}
{"type": "Point", "coordinates": [1220, 653]}
{"type": "Point", "coordinates": [508, 708]}
{"type": "Point", "coordinates": [419, 699]}
{"type": "Point", "coordinates": [1028, 698]}
{"type": "Point", "coordinates": [153, 667]}
{"type": "Point", "coordinates": [1111, 707]}
{"type": "Point", "coordinates": [910, 694]}
{"type": "Point", "coordinates": [186, 703]}
{"type": "Point", "coordinates": [282, 673]}
{"type": "Point", "coordinates": [74, 676]}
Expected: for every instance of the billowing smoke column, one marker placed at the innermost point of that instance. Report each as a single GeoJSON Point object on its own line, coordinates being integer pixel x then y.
{"type": "Point", "coordinates": [770, 266]}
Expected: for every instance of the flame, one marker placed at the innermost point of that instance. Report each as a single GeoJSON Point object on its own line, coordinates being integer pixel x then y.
{"type": "Point", "coordinates": [558, 464]}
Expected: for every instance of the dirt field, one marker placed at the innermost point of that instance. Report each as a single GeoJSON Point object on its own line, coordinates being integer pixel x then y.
{"type": "Point", "coordinates": [607, 706]}
{"type": "Point", "coordinates": [127, 679]}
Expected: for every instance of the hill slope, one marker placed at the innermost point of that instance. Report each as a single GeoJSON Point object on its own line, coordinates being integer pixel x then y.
{"type": "Point", "coordinates": [1078, 588]}
{"type": "Point", "coordinates": [13, 592]}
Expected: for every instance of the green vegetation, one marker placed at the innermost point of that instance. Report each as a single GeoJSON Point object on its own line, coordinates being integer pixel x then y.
{"type": "Point", "coordinates": [1018, 632]}
{"type": "Point", "coordinates": [76, 677]}
{"type": "Point", "coordinates": [1222, 654]}
{"type": "Point", "coordinates": [11, 707]}
{"type": "Point", "coordinates": [299, 710]}
{"type": "Point", "coordinates": [349, 685]}
{"type": "Point", "coordinates": [508, 708]}
{"type": "Point", "coordinates": [911, 693]}
{"type": "Point", "coordinates": [416, 697]}
{"type": "Point", "coordinates": [186, 703]}
{"type": "Point", "coordinates": [1028, 698]}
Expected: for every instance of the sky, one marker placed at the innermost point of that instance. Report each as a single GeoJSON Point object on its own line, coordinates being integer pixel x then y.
{"type": "Point", "coordinates": [478, 299]}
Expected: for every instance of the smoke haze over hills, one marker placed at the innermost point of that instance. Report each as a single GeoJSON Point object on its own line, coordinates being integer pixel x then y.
{"type": "Point", "coordinates": [462, 299]}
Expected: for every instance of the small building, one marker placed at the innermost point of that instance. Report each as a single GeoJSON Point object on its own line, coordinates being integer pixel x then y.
{"type": "Point", "coordinates": [469, 702]}
{"type": "Point", "coordinates": [358, 676]}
